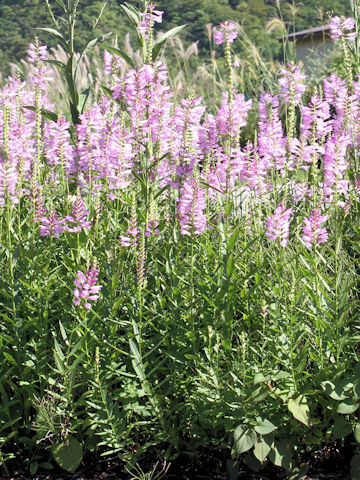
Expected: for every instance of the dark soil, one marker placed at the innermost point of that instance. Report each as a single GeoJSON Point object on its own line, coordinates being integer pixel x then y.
{"type": "Point", "coordinates": [328, 463]}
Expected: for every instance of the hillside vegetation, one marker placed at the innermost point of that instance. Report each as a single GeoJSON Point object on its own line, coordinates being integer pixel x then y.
{"type": "Point", "coordinates": [19, 19]}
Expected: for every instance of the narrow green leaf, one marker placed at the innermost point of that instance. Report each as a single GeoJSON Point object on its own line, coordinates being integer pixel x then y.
{"type": "Point", "coordinates": [161, 42]}
{"type": "Point", "coordinates": [83, 97]}
{"type": "Point", "coordinates": [91, 44]}
{"type": "Point", "coordinates": [120, 54]}
{"type": "Point", "coordinates": [44, 113]}
{"type": "Point", "coordinates": [63, 333]}
{"type": "Point", "coordinates": [57, 64]}
{"type": "Point", "coordinates": [52, 32]}
{"type": "Point", "coordinates": [131, 13]}
{"type": "Point", "coordinates": [61, 3]}
{"type": "Point", "coordinates": [233, 239]}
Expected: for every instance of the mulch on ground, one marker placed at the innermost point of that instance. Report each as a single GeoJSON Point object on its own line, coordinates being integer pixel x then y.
{"type": "Point", "coordinates": [329, 463]}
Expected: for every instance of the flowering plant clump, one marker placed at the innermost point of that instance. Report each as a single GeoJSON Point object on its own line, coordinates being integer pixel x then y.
{"type": "Point", "coordinates": [226, 229]}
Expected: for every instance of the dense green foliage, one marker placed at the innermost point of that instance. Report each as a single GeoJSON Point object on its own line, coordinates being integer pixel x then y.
{"type": "Point", "coordinates": [19, 19]}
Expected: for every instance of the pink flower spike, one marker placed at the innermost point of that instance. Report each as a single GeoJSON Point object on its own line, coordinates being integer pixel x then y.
{"type": "Point", "coordinates": [313, 233]}
{"type": "Point", "coordinates": [278, 225]}
{"type": "Point", "coordinates": [86, 287]}
{"type": "Point", "coordinates": [78, 217]}
{"type": "Point", "coordinates": [227, 31]}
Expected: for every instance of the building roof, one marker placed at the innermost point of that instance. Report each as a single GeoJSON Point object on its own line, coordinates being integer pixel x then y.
{"type": "Point", "coordinates": [310, 32]}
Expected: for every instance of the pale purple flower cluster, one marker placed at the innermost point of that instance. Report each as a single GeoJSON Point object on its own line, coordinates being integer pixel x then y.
{"type": "Point", "coordinates": [232, 116]}
{"type": "Point", "coordinates": [315, 119]}
{"type": "Point", "coordinates": [111, 63]}
{"type": "Point", "coordinates": [292, 83]}
{"type": "Point", "coordinates": [342, 27]}
{"type": "Point", "coordinates": [86, 290]}
{"type": "Point", "coordinates": [41, 74]}
{"type": "Point", "coordinates": [227, 31]}
{"type": "Point", "coordinates": [278, 226]}
{"type": "Point", "coordinates": [51, 225]}
{"type": "Point", "coordinates": [272, 141]}
{"type": "Point", "coordinates": [313, 233]}
{"type": "Point", "coordinates": [192, 218]}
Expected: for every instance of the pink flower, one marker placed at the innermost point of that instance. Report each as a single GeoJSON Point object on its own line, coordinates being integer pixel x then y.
{"type": "Point", "coordinates": [231, 117]}
{"type": "Point", "coordinates": [111, 63]}
{"type": "Point", "coordinates": [313, 234]}
{"type": "Point", "coordinates": [51, 225]}
{"type": "Point", "coordinates": [149, 18]}
{"type": "Point", "coordinates": [292, 83]}
{"type": "Point", "coordinates": [86, 290]}
{"type": "Point", "coordinates": [341, 26]}
{"type": "Point", "coordinates": [228, 31]}
{"type": "Point", "coordinates": [278, 225]}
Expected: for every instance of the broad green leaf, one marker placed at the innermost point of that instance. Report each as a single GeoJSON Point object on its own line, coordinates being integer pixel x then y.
{"type": "Point", "coordinates": [355, 467]}
{"type": "Point", "coordinates": [347, 408]}
{"type": "Point", "coordinates": [280, 454]}
{"type": "Point", "coordinates": [260, 378]}
{"type": "Point", "coordinates": [300, 409]}
{"type": "Point", "coordinates": [34, 467]}
{"type": "Point", "coordinates": [342, 428]}
{"type": "Point", "coordinates": [120, 54]}
{"type": "Point", "coordinates": [161, 42]}
{"type": "Point", "coordinates": [243, 439]}
{"type": "Point", "coordinates": [264, 427]}
{"type": "Point", "coordinates": [261, 450]}
{"type": "Point", "coordinates": [280, 375]}
{"type": "Point", "coordinates": [357, 432]}
{"type": "Point", "coordinates": [68, 454]}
